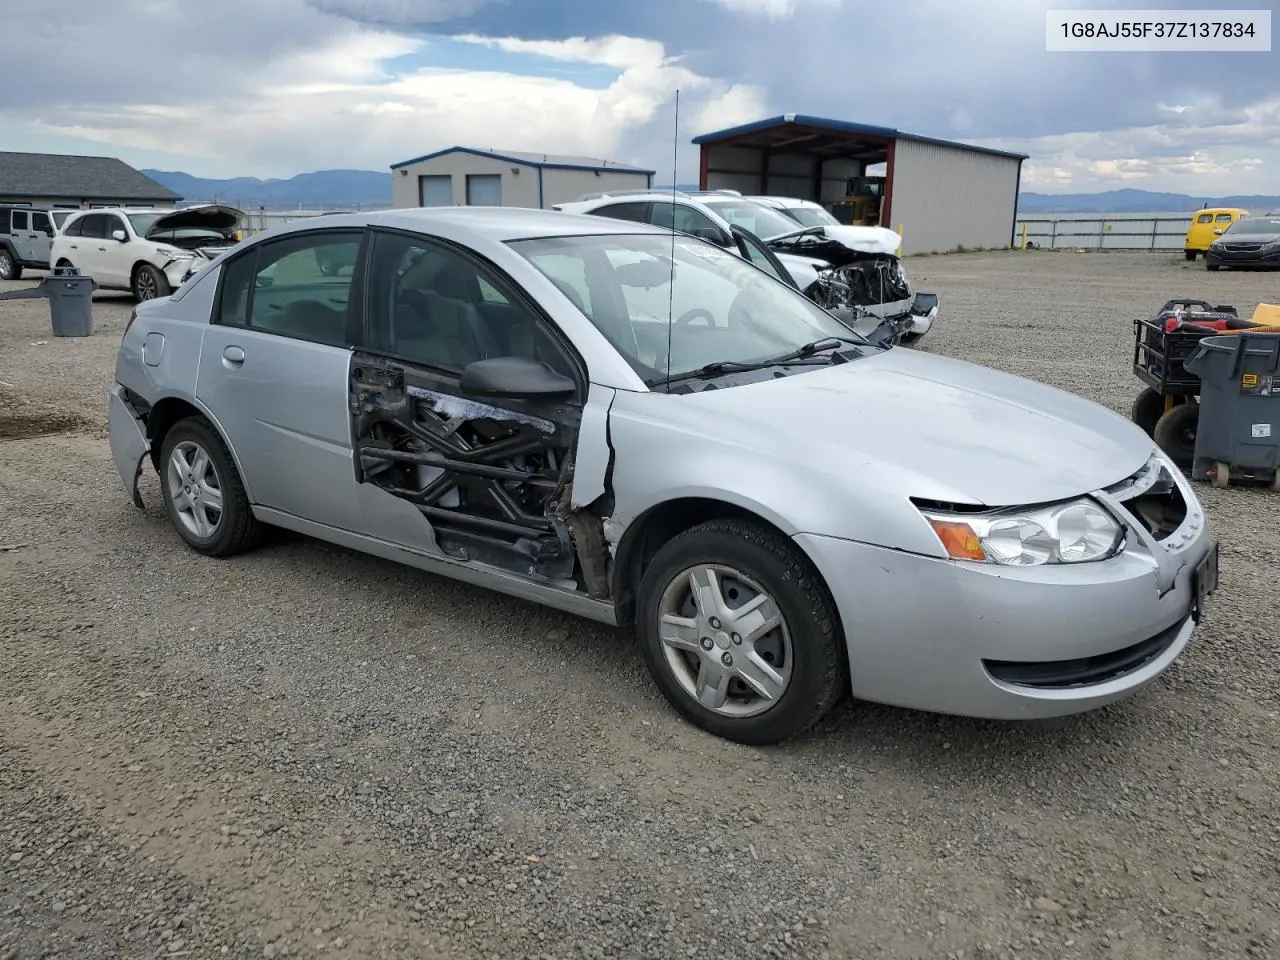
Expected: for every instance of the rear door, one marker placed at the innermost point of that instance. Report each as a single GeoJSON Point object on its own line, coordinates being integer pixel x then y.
{"type": "Point", "coordinates": [483, 473]}
{"type": "Point", "coordinates": [41, 236]}
{"type": "Point", "coordinates": [273, 372]}
{"type": "Point", "coordinates": [20, 230]}
{"type": "Point", "coordinates": [88, 247]}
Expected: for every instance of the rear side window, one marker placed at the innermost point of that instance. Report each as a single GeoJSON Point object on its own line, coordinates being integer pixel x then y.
{"type": "Point", "coordinates": [296, 286]}
{"type": "Point", "coordinates": [20, 222]}
{"type": "Point", "coordinates": [637, 212]}
{"type": "Point", "coordinates": [1224, 218]}
{"type": "Point", "coordinates": [94, 226]}
{"type": "Point", "coordinates": [75, 228]}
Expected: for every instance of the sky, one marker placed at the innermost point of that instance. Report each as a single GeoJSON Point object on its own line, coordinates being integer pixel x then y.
{"type": "Point", "coordinates": [272, 88]}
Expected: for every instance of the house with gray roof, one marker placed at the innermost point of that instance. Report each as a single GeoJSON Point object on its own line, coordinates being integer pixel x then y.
{"type": "Point", "coordinates": [469, 176]}
{"type": "Point", "coordinates": [63, 180]}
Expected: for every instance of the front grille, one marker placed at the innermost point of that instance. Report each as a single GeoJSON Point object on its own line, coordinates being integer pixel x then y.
{"type": "Point", "coordinates": [1242, 247]}
{"type": "Point", "coordinates": [1084, 671]}
{"type": "Point", "coordinates": [1153, 498]}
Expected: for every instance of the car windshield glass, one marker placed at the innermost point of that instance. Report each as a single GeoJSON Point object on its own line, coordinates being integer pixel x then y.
{"type": "Point", "coordinates": [725, 310]}
{"type": "Point", "coordinates": [1256, 225]}
{"type": "Point", "coordinates": [142, 222]}
{"type": "Point", "coordinates": [763, 221]}
{"type": "Point", "coordinates": [811, 216]}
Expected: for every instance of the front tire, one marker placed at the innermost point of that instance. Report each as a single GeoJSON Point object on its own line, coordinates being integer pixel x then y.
{"type": "Point", "coordinates": [149, 283]}
{"type": "Point", "coordinates": [1191, 254]}
{"type": "Point", "coordinates": [9, 269]}
{"type": "Point", "coordinates": [203, 493]}
{"type": "Point", "coordinates": [740, 633]}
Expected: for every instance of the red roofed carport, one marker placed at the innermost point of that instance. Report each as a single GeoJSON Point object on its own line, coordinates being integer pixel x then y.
{"type": "Point", "coordinates": [942, 193]}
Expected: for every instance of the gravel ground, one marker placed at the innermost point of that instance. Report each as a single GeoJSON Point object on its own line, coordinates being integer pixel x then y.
{"type": "Point", "coordinates": [307, 752]}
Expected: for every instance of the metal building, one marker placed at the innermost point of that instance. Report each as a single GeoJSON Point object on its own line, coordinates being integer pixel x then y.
{"type": "Point", "coordinates": [939, 194]}
{"type": "Point", "coordinates": [466, 176]}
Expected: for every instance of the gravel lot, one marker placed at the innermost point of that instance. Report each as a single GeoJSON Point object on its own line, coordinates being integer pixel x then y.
{"type": "Point", "coordinates": [306, 752]}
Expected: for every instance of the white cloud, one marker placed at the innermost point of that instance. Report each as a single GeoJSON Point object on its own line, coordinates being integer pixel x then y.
{"type": "Point", "coordinates": [1196, 152]}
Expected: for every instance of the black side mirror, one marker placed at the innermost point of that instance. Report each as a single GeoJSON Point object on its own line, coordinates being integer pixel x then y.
{"type": "Point", "coordinates": [514, 378]}
{"type": "Point", "coordinates": [713, 235]}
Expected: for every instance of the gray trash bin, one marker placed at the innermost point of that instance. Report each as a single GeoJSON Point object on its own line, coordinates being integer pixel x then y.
{"type": "Point", "coordinates": [1238, 430]}
{"type": "Point", "coordinates": [70, 296]}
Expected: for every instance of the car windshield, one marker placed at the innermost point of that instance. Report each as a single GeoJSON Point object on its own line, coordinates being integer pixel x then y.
{"type": "Point", "coordinates": [764, 222]}
{"type": "Point", "coordinates": [60, 216]}
{"type": "Point", "coordinates": [811, 216]}
{"type": "Point", "coordinates": [1255, 225]}
{"type": "Point", "coordinates": [725, 310]}
{"type": "Point", "coordinates": [142, 221]}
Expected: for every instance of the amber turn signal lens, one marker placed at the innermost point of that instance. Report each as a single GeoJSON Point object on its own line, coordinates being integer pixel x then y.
{"type": "Point", "coordinates": [959, 540]}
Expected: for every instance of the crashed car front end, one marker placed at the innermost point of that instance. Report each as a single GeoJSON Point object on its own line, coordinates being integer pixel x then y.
{"type": "Point", "coordinates": [864, 281]}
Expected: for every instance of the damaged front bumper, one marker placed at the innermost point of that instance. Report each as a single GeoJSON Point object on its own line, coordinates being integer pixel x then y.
{"type": "Point", "coordinates": [129, 442]}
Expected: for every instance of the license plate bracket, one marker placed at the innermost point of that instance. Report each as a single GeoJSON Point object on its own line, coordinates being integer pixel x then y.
{"type": "Point", "coordinates": [1204, 580]}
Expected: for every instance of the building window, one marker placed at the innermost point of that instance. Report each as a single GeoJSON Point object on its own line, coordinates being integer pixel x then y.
{"type": "Point", "coordinates": [484, 189]}
{"type": "Point", "coordinates": [435, 191]}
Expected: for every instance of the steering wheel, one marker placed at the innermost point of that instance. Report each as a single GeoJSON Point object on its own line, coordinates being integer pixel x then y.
{"type": "Point", "coordinates": [697, 313]}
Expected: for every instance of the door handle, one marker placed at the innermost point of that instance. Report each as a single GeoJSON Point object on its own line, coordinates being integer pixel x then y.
{"type": "Point", "coordinates": [232, 356]}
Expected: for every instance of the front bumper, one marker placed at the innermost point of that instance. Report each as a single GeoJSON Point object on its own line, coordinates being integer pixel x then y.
{"type": "Point", "coordinates": [1007, 642]}
{"type": "Point", "coordinates": [129, 443]}
{"type": "Point", "coordinates": [1257, 259]}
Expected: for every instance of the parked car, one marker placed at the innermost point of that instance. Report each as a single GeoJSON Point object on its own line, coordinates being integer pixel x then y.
{"type": "Point", "coordinates": [1208, 224]}
{"type": "Point", "coordinates": [25, 236]}
{"type": "Point", "coordinates": [145, 251]}
{"type": "Point", "coordinates": [807, 213]}
{"type": "Point", "coordinates": [783, 511]}
{"type": "Point", "coordinates": [851, 271]}
{"type": "Point", "coordinates": [1249, 242]}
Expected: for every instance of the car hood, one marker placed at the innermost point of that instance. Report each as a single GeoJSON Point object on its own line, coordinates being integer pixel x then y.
{"type": "Point", "coordinates": [1244, 236]}
{"type": "Point", "coordinates": [209, 216]}
{"type": "Point", "coordinates": [856, 239]}
{"type": "Point", "coordinates": [928, 426]}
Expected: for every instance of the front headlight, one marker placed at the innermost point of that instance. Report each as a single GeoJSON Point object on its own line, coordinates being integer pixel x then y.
{"type": "Point", "coordinates": [1076, 532]}
{"type": "Point", "coordinates": [173, 253]}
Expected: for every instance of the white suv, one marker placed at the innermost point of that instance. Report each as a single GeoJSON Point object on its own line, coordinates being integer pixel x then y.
{"type": "Point", "coordinates": [145, 251]}
{"type": "Point", "coordinates": [854, 272]}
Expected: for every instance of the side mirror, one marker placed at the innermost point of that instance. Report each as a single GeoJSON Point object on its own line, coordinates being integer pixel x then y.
{"type": "Point", "coordinates": [713, 235]}
{"type": "Point", "coordinates": [119, 235]}
{"type": "Point", "coordinates": [514, 378]}
{"type": "Point", "coordinates": [1219, 231]}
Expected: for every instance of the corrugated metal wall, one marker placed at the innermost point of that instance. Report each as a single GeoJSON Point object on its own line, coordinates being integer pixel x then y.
{"type": "Point", "coordinates": [945, 197]}
{"type": "Point", "coordinates": [790, 174]}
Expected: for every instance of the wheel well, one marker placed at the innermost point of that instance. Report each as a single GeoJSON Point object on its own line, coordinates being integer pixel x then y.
{"type": "Point", "coordinates": [163, 416]}
{"type": "Point", "coordinates": [138, 266]}
{"type": "Point", "coordinates": [653, 528]}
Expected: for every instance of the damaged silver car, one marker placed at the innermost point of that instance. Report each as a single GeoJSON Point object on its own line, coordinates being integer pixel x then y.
{"type": "Point", "coordinates": [642, 428]}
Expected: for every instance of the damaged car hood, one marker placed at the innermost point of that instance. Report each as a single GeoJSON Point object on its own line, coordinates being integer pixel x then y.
{"type": "Point", "coordinates": [927, 426]}
{"type": "Point", "coordinates": [210, 216]}
{"type": "Point", "coordinates": [837, 244]}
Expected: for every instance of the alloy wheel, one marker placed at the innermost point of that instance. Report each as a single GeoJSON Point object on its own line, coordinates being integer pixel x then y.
{"type": "Point", "coordinates": [146, 285]}
{"type": "Point", "coordinates": [725, 640]}
{"type": "Point", "coordinates": [195, 489]}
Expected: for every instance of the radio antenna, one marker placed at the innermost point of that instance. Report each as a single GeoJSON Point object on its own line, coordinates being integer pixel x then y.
{"type": "Point", "coordinates": [671, 282]}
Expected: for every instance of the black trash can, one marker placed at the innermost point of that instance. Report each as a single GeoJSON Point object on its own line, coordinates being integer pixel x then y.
{"type": "Point", "coordinates": [1238, 431]}
{"type": "Point", "coordinates": [70, 296]}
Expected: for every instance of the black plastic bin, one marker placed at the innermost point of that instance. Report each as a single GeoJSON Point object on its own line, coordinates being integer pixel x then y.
{"type": "Point", "coordinates": [70, 296]}
{"type": "Point", "coordinates": [1238, 431]}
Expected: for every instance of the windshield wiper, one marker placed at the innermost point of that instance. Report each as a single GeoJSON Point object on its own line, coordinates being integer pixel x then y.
{"type": "Point", "coordinates": [804, 353]}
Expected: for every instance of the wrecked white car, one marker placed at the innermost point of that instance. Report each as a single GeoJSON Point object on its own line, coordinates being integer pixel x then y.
{"type": "Point", "coordinates": [641, 427]}
{"type": "Point", "coordinates": [852, 271]}
{"type": "Point", "coordinates": [145, 251]}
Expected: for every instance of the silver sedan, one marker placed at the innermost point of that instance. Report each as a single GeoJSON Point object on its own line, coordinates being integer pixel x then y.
{"type": "Point", "coordinates": [644, 429]}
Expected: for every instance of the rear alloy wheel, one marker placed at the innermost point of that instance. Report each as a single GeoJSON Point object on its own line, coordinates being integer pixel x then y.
{"type": "Point", "coordinates": [9, 269]}
{"type": "Point", "coordinates": [149, 283]}
{"type": "Point", "coordinates": [740, 634]}
{"type": "Point", "coordinates": [1175, 432]}
{"type": "Point", "coordinates": [1147, 409]}
{"type": "Point", "coordinates": [203, 494]}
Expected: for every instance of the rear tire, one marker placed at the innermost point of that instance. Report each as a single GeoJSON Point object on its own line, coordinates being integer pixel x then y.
{"type": "Point", "coordinates": [1147, 409]}
{"type": "Point", "coordinates": [232, 528]}
{"type": "Point", "coordinates": [149, 283]}
{"type": "Point", "coordinates": [1175, 432]}
{"type": "Point", "coordinates": [801, 660]}
{"type": "Point", "coordinates": [9, 269]}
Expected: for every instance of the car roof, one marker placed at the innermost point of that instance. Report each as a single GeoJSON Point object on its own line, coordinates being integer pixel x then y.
{"type": "Point", "coordinates": [788, 201]}
{"type": "Point", "coordinates": [493, 224]}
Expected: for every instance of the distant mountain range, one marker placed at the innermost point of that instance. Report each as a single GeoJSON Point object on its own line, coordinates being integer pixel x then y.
{"type": "Point", "coordinates": [323, 189]}
{"type": "Point", "coordinates": [339, 189]}
{"type": "Point", "coordinates": [1136, 201]}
